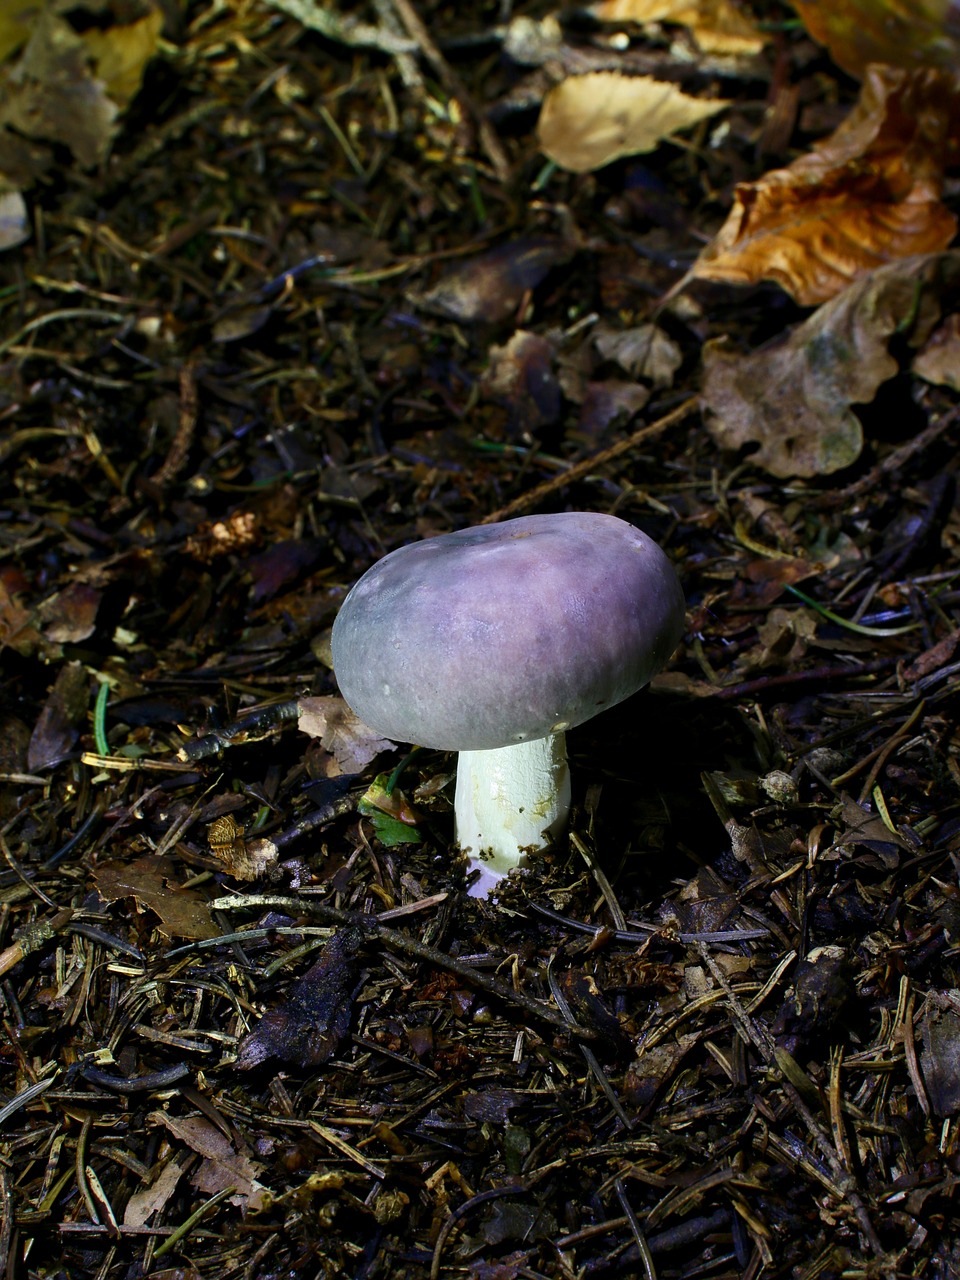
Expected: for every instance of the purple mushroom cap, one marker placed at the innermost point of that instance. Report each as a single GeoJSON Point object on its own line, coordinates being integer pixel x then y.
{"type": "Point", "coordinates": [504, 632]}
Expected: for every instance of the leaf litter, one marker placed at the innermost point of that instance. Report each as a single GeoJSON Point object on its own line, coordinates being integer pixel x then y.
{"type": "Point", "coordinates": [317, 296]}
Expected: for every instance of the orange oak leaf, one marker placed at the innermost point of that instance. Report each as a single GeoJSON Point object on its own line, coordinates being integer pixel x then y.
{"type": "Point", "coordinates": [866, 195]}
{"type": "Point", "coordinates": [901, 33]}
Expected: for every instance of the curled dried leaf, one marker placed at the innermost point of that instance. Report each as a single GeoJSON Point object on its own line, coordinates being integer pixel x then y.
{"type": "Point", "coordinates": [866, 195]}
{"type": "Point", "coordinates": [901, 33]}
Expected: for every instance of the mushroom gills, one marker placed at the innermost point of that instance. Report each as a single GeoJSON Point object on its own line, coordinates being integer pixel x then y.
{"type": "Point", "coordinates": [509, 801]}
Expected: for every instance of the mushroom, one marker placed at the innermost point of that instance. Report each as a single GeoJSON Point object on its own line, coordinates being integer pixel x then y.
{"type": "Point", "coordinates": [492, 642]}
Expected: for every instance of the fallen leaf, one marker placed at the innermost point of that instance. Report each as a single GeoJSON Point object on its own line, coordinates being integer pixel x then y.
{"type": "Point", "coordinates": [901, 33]}
{"type": "Point", "coordinates": [121, 52]}
{"type": "Point", "coordinates": [590, 120]}
{"type": "Point", "coordinates": [71, 615]}
{"type": "Point", "coordinates": [644, 352]}
{"type": "Point", "coordinates": [309, 1027]}
{"type": "Point", "coordinates": [608, 404]}
{"type": "Point", "coordinates": [491, 286]}
{"type": "Point", "coordinates": [149, 1200]}
{"type": "Point", "coordinates": [223, 1166]}
{"type": "Point", "coordinates": [352, 743]}
{"type": "Point", "coordinates": [17, 631]}
{"type": "Point", "coordinates": [939, 359]}
{"type": "Point", "coordinates": [940, 1060]}
{"type": "Point", "coordinates": [16, 21]}
{"type": "Point", "coordinates": [520, 376]}
{"type": "Point", "coordinates": [151, 881]}
{"type": "Point", "coordinates": [280, 564]}
{"type": "Point", "coordinates": [51, 92]}
{"type": "Point", "coordinates": [58, 724]}
{"type": "Point", "coordinates": [717, 26]}
{"type": "Point", "coordinates": [393, 819]}
{"type": "Point", "coordinates": [793, 399]}
{"type": "Point", "coordinates": [866, 195]}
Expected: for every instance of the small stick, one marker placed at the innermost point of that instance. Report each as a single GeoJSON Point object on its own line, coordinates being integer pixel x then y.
{"type": "Point", "coordinates": [455, 87]}
{"type": "Point", "coordinates": [586, 465]}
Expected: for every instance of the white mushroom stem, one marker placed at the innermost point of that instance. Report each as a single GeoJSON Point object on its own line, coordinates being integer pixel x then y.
{"type": "Point", "coordinates": [509, 801]}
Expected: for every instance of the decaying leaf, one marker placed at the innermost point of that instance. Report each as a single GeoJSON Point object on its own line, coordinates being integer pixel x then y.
{"type": "Point", "coordinates": [718, 26]}
{"type": "Point", "coordinates": [241, 857]}
{"type": "Point", "coordinates": [866, 195]}
{"type": "Point", "coordinates": [941, 1051]}
{"type": "Point", "coordinates": [590, 120]}
{"type": "Point", "coordinates": [521, 377]}
{"type": "Point", "coordinates": [51, 92]}
{"type": "Point", "coordinates": [70, 80]}
{"type": "Point", "coordinates": [58, 725]}
{"type": "Point", "coordinates": [16, 21]}
{"type": "Point", "coordinates": [71, 615]}
{"type": "Point", "coordinates": [17, 630]}
{"type": "Point", "coordinates": [121, 52]}
{"type": "Point", "coordinates": [352, 743]}
{"type": "Point", "coordinates": [307, 1029]}
{"type": "Point", "coordinates": [222, 1166]}
{"type": "Point", "coordinates": [901, 33]}
{"type": "Point", "coordinates": [939, 359]}
{"type": "Point", "coordinates": [793, 399]}
{"type": "Point", "coordinates": [645, 351]}
{"type": "Point", "coordinates": [148, 1200]}
{"type": "Point", "coordinates": [490, 287]}
{"type": "Point", "coordinates": [151, 880]}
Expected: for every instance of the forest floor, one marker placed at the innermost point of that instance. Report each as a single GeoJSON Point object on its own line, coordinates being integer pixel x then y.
{"type": "Point", "coordinates": [313, 295]}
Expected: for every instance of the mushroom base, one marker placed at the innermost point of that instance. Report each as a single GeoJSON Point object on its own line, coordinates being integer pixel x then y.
{"type": "Point", "coordinates": [510, 801]}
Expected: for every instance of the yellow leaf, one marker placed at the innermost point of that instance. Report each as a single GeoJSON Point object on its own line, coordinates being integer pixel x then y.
{"type": "Point", "coordinates": [16, 22]}
{"type": "Point", "coordinates": [718, 26]}
{"type": "Point", "coordinates": [868, 194]}
{"type": "Point", "coordinates": [587, 121]}
{"type": "Point", "coordinates": [121, 53]}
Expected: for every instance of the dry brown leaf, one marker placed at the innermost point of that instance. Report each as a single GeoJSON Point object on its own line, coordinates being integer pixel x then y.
{"type": "Point", "coordinates": [222, 1165]}
{"type": "Point", "coordinates": [58, 724]}
{"type": "Point", "coordinates": [151, 881]}
{"type": "Point", "coordinates": [866, 195]}
{"type": "Point", "coordinates": [793, 400]}
{"type": "Point", "coordinates": [718, 26]}
{"type": "Point", "coordinates": [901, 33]}
{"type": "Point", "coordinates": [645, 351]}
{"type": "Point", "coordinates": [939, 361]}
{"type": "Point", "coordinates": [150, 1199]}
{"type": "Point", "coordinates": [588, 121]}
{"type": "Point", "coordinates": [352, 743]}
{"type": "Point", "coordinates": [50, 92]}
{"type": "Point", "coordinates": [490, 287]}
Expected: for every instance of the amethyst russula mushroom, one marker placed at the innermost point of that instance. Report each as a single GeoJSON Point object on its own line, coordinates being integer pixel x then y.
{"type": "Point", "coordinates": [492, 642]}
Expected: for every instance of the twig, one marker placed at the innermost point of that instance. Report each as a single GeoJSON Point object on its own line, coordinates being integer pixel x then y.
{"type": "Point", "coordinates": [349, 31]}
{"type": "Point", "coordinates": [455, 87]}
{"type": "Point", "coordinates": [409, 946]}
{"type": "Point", "coordinates": [761, 1041]}
{"type": "Point", "coordinates": [893, 462]}
{"type": "Point", "coordinates": [586, 465]}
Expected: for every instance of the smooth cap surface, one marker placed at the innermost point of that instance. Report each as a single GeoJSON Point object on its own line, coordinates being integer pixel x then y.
{"type": "Point", "coordinates": [504, 632]}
